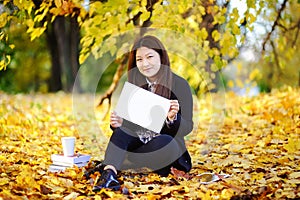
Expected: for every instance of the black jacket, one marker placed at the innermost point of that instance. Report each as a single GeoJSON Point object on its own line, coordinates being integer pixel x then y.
{"type": "Point", "coordinates": [184, 123]}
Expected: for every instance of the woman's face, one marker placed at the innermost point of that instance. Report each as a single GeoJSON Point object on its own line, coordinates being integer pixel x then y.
{"type": "Point", "coordinates": [148, 62]}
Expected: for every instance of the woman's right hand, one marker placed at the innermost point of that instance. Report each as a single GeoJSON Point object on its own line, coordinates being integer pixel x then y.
{"type": "Point", "coordinates": [115, 120]}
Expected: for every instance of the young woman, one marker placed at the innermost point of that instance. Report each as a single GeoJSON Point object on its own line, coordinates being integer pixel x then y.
{"type": "Point", "coordinates": [149, 68]}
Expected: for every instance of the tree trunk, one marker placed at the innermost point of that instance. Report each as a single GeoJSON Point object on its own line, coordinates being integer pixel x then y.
{"type": "Point", "coordinates": [207, 23]}
{"type": "Point", "coordinates": [63, 40]}
{"type": "Point", "coordinates": [54, 83]}
{"type": "Point", "coordinates": [74, 52]}
{"type": "Point", "coordinates": [62, 47]}
{"type": "Point", "coordinates": [66, 31]}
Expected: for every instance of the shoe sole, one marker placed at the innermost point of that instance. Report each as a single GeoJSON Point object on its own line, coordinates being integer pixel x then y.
{"type": "Point", "coordinates": [97, 189]}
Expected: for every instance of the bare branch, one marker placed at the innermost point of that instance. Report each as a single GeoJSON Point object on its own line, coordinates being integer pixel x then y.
{"type": "Point", "coordinates": [277, 65]}
{"type": "Point", "coordinates": [117, 76]}
{"type": "Point", "coordinates": [276, 22]}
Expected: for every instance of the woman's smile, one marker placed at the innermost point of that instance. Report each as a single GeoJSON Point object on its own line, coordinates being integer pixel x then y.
{"type": "Point", "coordinates": [147, 69]}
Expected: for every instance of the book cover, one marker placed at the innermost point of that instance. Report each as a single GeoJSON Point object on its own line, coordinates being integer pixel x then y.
{"type": "Point", "coordinates": [77, 158]}
{"type": "Point", "coordinates": [82, 164]}
{"type": "Point", "coordinates": [61, 167]}
{"type": "Point", "coordinates": [57, 168]}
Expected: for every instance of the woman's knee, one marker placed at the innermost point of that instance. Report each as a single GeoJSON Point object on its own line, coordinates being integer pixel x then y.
{"type": "Point", "coordinates": [163, 140]}
{"type": "Point", "coordinates": [164, 137]}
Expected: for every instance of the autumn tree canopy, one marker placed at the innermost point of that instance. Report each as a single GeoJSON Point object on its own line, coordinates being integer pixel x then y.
{"type": "Point", "coordinates": [220, 29]}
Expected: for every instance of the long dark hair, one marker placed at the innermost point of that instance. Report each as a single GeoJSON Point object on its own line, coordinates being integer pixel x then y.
{"type": "Point", "coordinates": [164, 74]}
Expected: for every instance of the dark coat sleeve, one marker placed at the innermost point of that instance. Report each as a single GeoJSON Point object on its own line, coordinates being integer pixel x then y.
{"type": "Point", "coordinates": [183, 125]}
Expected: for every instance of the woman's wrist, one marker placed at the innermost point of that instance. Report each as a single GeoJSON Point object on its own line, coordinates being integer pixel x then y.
{"type": "Point", "coordinates": [172, 119]}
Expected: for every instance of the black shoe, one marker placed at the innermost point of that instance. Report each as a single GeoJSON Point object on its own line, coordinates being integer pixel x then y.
{"type": "Point", "coordinates": [164, 172]}
{"type": "Point", "coordinates": [108, 179]}
{"type": "Point", "coordinates": [97, 166]}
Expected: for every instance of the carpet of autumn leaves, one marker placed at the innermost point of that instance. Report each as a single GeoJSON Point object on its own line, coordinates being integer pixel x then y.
{"type": "Point", "coordinates": [254, 139]}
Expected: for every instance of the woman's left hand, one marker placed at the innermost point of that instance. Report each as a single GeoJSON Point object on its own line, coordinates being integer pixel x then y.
{"type": "Point", "coordinates": [115, 120]}
{"type": "Point", "coordinates": [174, 108]}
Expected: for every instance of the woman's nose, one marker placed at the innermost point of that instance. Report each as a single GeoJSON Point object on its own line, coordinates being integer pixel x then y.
{"type": "Point", "coordinates": [145, 63]}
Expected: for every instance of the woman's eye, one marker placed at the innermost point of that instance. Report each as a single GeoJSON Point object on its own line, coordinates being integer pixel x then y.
{"type": "Point", "coordinates": [150, 57]}
{"type": "Point", "coordinates": [138, 59]}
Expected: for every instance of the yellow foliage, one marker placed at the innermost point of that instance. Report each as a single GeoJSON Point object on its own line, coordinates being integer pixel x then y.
{"type": "Point", "coordinates": [4, 18]}
{"type": "Point", "coordinates": [26, 178]}
{"type": "Point", "coordinates": [293, 145]}
{"type": "Point", "coordinates": [58, 3]}
{"type": "Point", "coordinates": [230, 83]}
{"type": "Point", "coordinates": [255, 74]}
{"type": "Point", "coordinates": [216, 35]}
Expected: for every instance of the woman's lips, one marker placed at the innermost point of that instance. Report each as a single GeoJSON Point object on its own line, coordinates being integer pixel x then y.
{"type": "Point", "coordinates": [147, 69]}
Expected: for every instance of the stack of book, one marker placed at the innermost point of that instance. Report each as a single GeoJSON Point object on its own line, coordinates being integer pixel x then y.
{"type": "Point", "coordinates": [61, 162]}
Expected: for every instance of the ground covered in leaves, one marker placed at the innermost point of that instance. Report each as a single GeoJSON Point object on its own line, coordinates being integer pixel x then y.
{"type": "Point", "coordinates": [254, 140]}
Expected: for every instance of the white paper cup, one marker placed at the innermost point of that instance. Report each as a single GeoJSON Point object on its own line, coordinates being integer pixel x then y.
{"type": "Point", "coordinates": [68, 144]}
